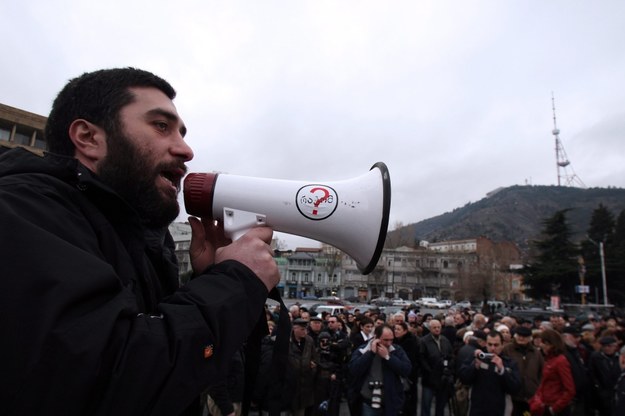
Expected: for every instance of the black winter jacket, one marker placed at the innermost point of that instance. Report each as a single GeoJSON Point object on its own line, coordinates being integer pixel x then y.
{"type": "Point", "coordinates": [93, 318]}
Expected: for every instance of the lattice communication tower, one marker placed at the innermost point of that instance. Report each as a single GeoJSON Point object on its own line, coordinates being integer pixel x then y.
{"type": "Point", "coordinates": [566, 175]}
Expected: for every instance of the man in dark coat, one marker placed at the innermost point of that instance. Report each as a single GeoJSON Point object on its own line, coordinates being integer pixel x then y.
{"type": "Point", "coordinates": [575, 353]}
{"type": "Point", "coordinates": [302, 368]}
{"type": "Point", "coordinates": [490, 378]}
{"type": "Point", "coordinates": [95, 319]}
{"type": "Point", "coordinates": [529, 361]}
{"type": "Point", "coordinates": [377, 368]}
{"type": "Point", "coordinates": [604, 372]}
{"type": "Point", "coordinates": [619, 390]}
{"type": "Point", "coordinates": [436, 354]}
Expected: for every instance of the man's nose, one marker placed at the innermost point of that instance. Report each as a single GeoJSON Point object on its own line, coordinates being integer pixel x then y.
{"type": "Point", "coordinates": [181, 149]}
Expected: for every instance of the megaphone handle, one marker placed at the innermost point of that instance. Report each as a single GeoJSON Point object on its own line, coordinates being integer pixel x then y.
{"type": "Point", "coordinates": [238, 222]}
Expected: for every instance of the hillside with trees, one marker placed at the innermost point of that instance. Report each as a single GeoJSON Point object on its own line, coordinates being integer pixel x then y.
{"type": "Point", "coordinates": [513, 214]}
{"type": "Point", "coordinates": [561, 231]}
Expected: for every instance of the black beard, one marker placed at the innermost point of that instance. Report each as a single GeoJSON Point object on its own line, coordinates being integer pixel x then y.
{"type": "Point", "coordinates": [126, 170]}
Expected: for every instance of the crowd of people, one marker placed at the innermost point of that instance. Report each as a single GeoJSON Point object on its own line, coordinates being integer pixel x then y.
{"type": "Point", "coordinates": [466, 362]}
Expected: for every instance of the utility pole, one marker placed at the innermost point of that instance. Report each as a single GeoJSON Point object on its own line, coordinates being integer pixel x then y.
{"type": "Point", "coordinates": [605, 287]}
{"type": "Point", "coordinates": [603, 277]}
{"type": "Point", "coordinates": [582, 274]}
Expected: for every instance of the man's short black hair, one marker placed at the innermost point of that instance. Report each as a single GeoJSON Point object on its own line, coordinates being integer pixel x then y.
{"type": "Point", "coordinates": [96, 97]}
{"type": "Point", "coordinates": [495, 334]}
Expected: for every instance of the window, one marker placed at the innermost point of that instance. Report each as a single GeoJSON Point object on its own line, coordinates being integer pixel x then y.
{"type": "Point", "coordinates": [5, 134]}
{"type": "Point", "coordinates": [21, 138]}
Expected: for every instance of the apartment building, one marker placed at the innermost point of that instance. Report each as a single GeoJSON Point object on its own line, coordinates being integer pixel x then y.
{"type": "Point", "coordinates": [21, 128]}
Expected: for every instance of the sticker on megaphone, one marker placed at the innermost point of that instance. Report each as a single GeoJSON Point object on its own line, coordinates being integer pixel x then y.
{"type": "Point", "coordinates": [316, 202]}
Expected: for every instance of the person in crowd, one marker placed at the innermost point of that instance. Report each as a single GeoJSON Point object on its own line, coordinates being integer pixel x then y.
{"type": "Point", "coordinates": [315, 325]}
{"type": "Point", "coordinates": [397, 317]}
{"type": "Point", "coordinates": [504, 330]}
{"type": "Point", "coordinates": [302, 368]}
{"type": "Point", "coordinates": [329, 373]}
{"type": "Point", "coordinates": [226, 397]}
{"type": "Point", "coordinates": [536, 338]}
{"type": "Point", "coordinates": [410, 344]}
{"type": "Point", "coordinates": [491, 376]}
{"type": "Point", "coordinates": [294, 312]}
{"type": "Point", "coordinates": [604, 372]}
{"type": "Point", "coordinates": [558, 322]}
{"type": "Point", "coordinates": [510, 322]}
{"type": "Point", "coordinates": [103, 296]}
{"type": "Point", "coordinates": [340, 346]}
{"type": "Point", "coordinates": [478, 322]}
{"type": "Point", "coordinates": [529, 361]}
{"type": "Point", "coordinates": [364, 333]}
{"type": "Point", "coordinates": [304, 314]}
{"type": "Point", "coordinates": [557, 389]}
{"type": "Point", "coordinates": [472, 341]}
{"type": "Point", "coordinates": [377, 368]}
{"type": "Point", "coordinates": [578, 359]}
{"type": "Point", "coordinates": [436, 359]}
{"type": "Point", "coordinates": [619, 391]}
{"type": "Point", "coordinates": [379, 321]}
{"type": "Point", "coordinates": [449, 331]}
{"type": "Point", "coordinates": [357, 340]}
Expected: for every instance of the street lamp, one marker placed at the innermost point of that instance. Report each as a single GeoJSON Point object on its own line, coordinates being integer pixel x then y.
{"type": "Point", "coordinates": [602, 257]}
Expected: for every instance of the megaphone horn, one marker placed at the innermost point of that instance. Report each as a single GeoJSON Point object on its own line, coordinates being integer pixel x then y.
{"type": "Point", "coordinates": [351, 215]}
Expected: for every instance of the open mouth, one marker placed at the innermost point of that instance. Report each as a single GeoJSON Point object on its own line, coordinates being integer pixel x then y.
{"type": "Point", "coordinates": [173, 177]}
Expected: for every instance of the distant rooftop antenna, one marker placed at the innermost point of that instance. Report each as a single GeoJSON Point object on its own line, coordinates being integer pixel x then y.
{"type": "Point", "coordinates": [566, 175]}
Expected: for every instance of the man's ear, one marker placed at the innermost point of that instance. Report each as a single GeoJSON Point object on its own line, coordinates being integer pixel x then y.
{"type": "Point", "coordinates": [89, 141]}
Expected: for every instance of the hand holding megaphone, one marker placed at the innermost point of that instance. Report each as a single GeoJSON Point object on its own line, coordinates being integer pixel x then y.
{"type": "Point", "coordinates": [210, 246]}
{"type": "Point", "coordinates": [351, 215]}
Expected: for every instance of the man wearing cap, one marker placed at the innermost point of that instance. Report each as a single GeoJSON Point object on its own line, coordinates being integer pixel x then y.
{"type": "Point", "coordinates": [578, 359]}
{"type": "Point", "coordinates": [604, 373]}
{"type": "Point", "coordinates": [315, 324]}
{"type": "Point", "coordinates": [303, 359]}
{"type": "Point", "coordinates": [530, 362]}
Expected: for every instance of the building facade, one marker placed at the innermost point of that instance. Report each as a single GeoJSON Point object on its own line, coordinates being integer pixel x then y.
{"type": "Point", "coordinates": [21, 128]}
{"type": "Point", "coordinates": [472, 269]}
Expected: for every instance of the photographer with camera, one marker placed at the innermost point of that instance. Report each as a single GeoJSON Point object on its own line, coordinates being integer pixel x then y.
{"type": "Point", "coordinates": [376, 370]}
{"type": "Point", "coordinates": [491, 376]}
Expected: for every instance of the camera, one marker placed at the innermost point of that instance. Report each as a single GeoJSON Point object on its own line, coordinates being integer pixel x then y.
{"type": "Point", "coordinates": [485, 356]}
{"type": "Point", "coordinates": [376, 394]}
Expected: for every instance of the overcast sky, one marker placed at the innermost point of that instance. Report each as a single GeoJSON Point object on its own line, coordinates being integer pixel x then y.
{"type": "Point", "coordinates": [454, 96]}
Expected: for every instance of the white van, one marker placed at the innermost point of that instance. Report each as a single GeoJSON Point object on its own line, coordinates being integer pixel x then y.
{"type": "Point", "coordinates": [331, 309]}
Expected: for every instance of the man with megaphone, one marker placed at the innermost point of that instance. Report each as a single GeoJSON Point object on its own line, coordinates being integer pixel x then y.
{"type": "Point", "coordinates": [94, 321]}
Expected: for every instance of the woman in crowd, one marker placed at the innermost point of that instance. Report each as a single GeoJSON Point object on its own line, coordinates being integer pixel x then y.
{"type": "Point", "coordinates": [557, 388]}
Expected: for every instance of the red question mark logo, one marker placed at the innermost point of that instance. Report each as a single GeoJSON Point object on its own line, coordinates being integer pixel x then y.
{"type": "Point", "coordinates": [320, 200]}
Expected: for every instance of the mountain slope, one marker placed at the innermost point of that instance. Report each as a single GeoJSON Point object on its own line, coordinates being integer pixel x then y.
{"type": "Point", "coordinates": [515, 214]}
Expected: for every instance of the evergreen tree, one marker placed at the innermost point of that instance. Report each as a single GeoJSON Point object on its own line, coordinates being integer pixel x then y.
{"type": "Point", "coordinates": [554, 269]}
{"type": "Point", "coordinates": [601, 230]}
{"type": "Point", "coordinates": [616, 285]}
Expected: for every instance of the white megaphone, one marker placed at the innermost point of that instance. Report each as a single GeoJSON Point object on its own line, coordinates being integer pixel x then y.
{"type": "Point", "coordinates": [351, 215]}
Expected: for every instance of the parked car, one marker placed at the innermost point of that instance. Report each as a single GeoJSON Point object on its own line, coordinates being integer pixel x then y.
{"type": "Point", "coordinates": [463, 304]}
{"type": "Point", "coordinates": [331, 309]}
{"type": "Point", "coordinates": [401, 302]}
{"type": "Point", "coordinates": [381, 301]}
